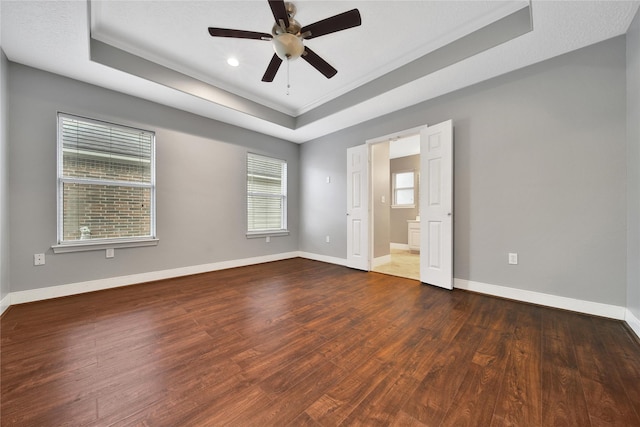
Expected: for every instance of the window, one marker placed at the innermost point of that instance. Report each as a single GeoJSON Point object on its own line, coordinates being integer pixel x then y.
{"type": "Point", "coordinates": [266, 195]}
{"type": "Point", "coordinates": [403, 189]}
{"type": "Point", "coordinates": [106, 183]}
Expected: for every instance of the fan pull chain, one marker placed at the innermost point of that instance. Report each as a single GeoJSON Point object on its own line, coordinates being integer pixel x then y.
{"type": "Point", "coordinates": [288, 85]}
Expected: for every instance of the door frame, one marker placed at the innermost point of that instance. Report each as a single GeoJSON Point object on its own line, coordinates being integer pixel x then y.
{"type": "Point", "coordinates": [370, 143]}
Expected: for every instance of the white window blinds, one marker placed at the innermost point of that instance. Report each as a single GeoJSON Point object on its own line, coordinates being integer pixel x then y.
{"type": "Point", "coordinates": [106, 183]}
{"type": "Point", "coordinates": [266, 194]}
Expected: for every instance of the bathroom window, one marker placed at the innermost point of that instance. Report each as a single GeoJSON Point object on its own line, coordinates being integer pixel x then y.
{"type": "Point", "coordinates": [403, 189]}
{"type": "Point", "coordinates": [106, 183]}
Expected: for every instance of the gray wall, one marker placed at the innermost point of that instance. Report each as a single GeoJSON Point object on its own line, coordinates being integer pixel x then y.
{"type": "Point", "coordinates": [381, 210]}
{"type": "Point", "coordinates": [539, 170]}
{"type": "Point", "coordinates": [200, 183]}
{"type": "Point", "coordinates": [4, 181]}
{"type": "Point", "coordinates": [399, 216]}
{"type": "Point", "coordinates": [633, 167]}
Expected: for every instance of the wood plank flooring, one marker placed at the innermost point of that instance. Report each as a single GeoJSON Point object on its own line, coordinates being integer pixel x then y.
{"type": "Point", "coordinates": [304, 343]}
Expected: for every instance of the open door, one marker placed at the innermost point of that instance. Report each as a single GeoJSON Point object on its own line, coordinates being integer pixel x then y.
{"type": "Point", "coordinates": [436, 205]}
{"type": "Point", "coordinates": [358, 207]}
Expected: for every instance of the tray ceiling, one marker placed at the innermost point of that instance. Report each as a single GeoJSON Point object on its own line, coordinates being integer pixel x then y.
{"type": "Point", "coordinates": [377, 62]}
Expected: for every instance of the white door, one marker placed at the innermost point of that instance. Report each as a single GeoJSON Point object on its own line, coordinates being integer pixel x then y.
{"type": "Point", "coordinates": [358, 207]}
{"type": "Point", "coordinates": [436, 205]}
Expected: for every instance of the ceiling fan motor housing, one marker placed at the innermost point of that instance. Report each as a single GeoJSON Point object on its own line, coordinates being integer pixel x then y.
{"type": "Point", "coordinates": [287, 42]}
{"type": "Point", "coordinates": [293, 28]}
{"type": "Point", "coordinates": [290, 8]}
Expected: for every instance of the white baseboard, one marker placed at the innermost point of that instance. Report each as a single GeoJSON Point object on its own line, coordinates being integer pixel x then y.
{"type": "Point", "coordinates": [633, 322]}
{"type": "Point", "coordinates": [399, 246]}
{"type": "Point", "coordinates": [385, 259]}
{"type": "Point", "coordinates": [114, 282]}
{"type": "Point", "coordinates": [581, 306]}
{"type": "Point", "coordinates": [5, 303]}
{"type": "Point", "coordinates": [323, 258]}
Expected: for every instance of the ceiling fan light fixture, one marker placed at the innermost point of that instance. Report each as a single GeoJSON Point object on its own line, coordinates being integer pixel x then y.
{"type": "Point", "coordinates": [288, 46]}
{"type": "Point", "coordinates": [287, 36]}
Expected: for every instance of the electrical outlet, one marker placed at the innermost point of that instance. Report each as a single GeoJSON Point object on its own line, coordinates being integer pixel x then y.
{"type": "Point", "coordinates": [110, 252]}
{"type": "Point", "coordinates": [268, 239]}
{"type": "Point", "coordinates": [513, 258]}
{"type": "Point", "coordinates": [38, 259]}
{"type": "Point", "coordinates": [328, 180]}
{"type": "Point", "coordinates": [327, 239]}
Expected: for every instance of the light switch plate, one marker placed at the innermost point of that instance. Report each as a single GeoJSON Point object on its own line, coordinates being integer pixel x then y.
{"type": "Point", "coordinates": [513, 258]}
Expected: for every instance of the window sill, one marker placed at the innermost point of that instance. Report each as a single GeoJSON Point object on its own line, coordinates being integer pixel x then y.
{"type": "Point", "coordinates": [274, 233]}
{"type": "Point", "coordinates": [403, 206]}
{"type": "Point", "coordinates": [96, 245]}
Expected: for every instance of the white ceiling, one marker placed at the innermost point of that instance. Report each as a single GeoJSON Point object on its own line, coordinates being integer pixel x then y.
{"type": "Point", "coordinates": [55, 36]}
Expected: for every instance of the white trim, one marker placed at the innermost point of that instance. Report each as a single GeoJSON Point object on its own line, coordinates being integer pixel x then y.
{"type": "Point", "coordinates": [5, 303]}
{"type": "Point", "coordinates": [399, 246]}
{"type": "Point", "coordinates": [265, 233]}
{"type": "Point", "coordinates": [100, 244]}
{"type": "Point", "coordinates": [633, 322]}
{"type": "Point", "coordinates": [323, 258]}
{"type": "Point", "coordinates": [401, 134]}
{"type": "Point", "coordinates": [580, 306]}
{"type": "Point", "coordinates": [114, 282]}
{"type": "Point", "coordinates": [385, 259]}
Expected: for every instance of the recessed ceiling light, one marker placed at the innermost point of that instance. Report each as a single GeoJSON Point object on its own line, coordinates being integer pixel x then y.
{"type": "Point", "coordinates": [233, 62]}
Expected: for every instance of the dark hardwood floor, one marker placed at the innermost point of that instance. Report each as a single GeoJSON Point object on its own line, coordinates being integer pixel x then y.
{"type": "Point", "coordinates": [304, 343]}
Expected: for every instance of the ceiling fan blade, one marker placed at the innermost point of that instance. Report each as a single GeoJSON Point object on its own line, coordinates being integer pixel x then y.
{"type": "Point", "coordinates": [279, 11]}
{"type": "Point", "coordinates": [318, 63]}
{"type": "Point", "coordinates": [339, 22]}
{"type": "Point", "coordinates": [239, 34]}
{"type": "Point", "coordinates": [272, 69]}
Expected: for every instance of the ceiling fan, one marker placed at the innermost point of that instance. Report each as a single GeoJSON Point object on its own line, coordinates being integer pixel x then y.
{"type": "Point", "coordinates": [287, 36]}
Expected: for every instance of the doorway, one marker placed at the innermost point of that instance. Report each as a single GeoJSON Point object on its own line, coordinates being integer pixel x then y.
{"type": "Point", "coordinates": [435, 189]}
{"type": "Point", "coordinates": [395, 177]}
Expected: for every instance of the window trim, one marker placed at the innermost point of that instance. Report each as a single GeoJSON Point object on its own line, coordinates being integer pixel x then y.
{"type": "Point", "coordinates": [394, 205]}
{"type": "Point", "coordinates": [101, 243]}
{"type": "Point", "coordinates": [284, 230]}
